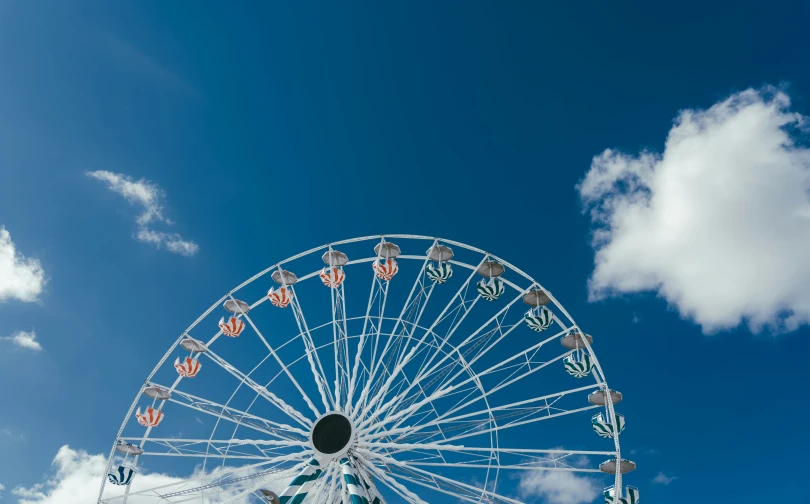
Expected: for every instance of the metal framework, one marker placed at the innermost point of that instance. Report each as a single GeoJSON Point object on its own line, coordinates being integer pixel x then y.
{"type": "Point", "coordinates": [447, 394]}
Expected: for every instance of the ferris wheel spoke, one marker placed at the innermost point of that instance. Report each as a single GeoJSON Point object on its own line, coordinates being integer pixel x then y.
{"type": "Point", "coordinates": [388, 481]}
{"type": "Point", "coordinates": [458, 304]}
{"type": "Point", "coordinates": [259, 389]}
{"type": "Point", "coordinates": [521, 357]}
{"type": "Point", "coordinates": [534, 418]}
{"type": "Point", "coordinates": [440, 483]}
{"type": "Point", "coordinates": [312, 355]}
{"type": "Point", "coordinates": [277, 430]}
{"type": "Point", "coordinates": [496, 319]}
{"type": "Point", "coordinates": [341, 343]}
{"type": "Point", "coordinates": [426, 370]}
{"type": "Point", "coordinates": [464, 403]}
{"type": "Point", "coordinates": [404, 327]}
{"type": "Point", "coordinates": [284, 368]}
{"type": "Point", "coordinates": [262, 449]}
{"type": "Point", "coordinates": [373, 327]}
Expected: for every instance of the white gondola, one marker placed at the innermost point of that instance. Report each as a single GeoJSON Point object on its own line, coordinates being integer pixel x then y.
{"type": "Point", "coordinates": [599, 397]}
{"type": "Point", "coordinates": [161, 394]}
{"type": "Point", "coordinates": [440, 253]}
{"type": "Point", "coordinates": [193, 345]}
{"type": "Point", "coordinates": [236, 306]}
{"type": "Point", "coordinates": [128, 448]}
{"type": "Point", "coordinates": [284, 277]}
{"type": "Point", "coordinates": [491, 269]}
{"type": "Point", "coordinates": [335, 258]}
{"type": "Point", "coordinates": [536, 297]}
{"type": "Point", "coordinates": [387, 250]}
{"type": "Point", "coordinates": [575, 340]}
{"type": "Point", "coordinates": [625, 466]}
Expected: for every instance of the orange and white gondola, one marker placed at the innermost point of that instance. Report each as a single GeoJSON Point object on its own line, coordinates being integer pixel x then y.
{"type": "Point", "coordinates": [332, 276]}
{"type": "Point", "coordinates": [151, 417]}
{"type": "Point", "coordinates": [188, 367]}
{"type": "Point", "coordinates": [233, 327]}
{"type": "Point", "coordinates": [280, 297]}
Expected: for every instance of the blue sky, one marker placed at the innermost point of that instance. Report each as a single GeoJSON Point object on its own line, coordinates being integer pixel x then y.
{"type": "Point", "coordinates": [267, 129]}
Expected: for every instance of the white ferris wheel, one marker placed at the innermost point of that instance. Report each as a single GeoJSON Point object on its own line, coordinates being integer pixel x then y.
{"type": "Point", "coordinates": [381, 369]}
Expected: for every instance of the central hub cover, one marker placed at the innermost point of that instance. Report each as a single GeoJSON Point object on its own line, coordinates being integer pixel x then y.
{"type": "Point", "coordinates": [332, 434]}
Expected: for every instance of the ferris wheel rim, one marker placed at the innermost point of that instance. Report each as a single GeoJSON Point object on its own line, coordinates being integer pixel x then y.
{"type": "Point", "coordinates": [599, 374]}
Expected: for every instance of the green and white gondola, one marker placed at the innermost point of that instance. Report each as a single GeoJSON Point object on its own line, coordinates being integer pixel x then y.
{"type": "Point", "coordinates": [491, 289]}
{"type": "Point", "coordinates": [300, 486]}
{"type": "Point", "coordinates": [539, 319]}
{"type": "Point", "coordinates": [352, 484]}
{"type": "Point", "coordinates": [604, 428]}
{"type": "Point", "coordinates": [631, 498]}
{"type": "Point", "coordinates": [579, 364]}
{"type": "Point", "coordinates": [122, 475]}
{"type": "Point", "coordinates": [439, 273]}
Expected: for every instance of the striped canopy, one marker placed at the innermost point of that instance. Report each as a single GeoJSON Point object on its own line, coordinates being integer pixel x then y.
{"type": "Point", "coordinates": [604, 428]}
{"type": "Point", "coordinates": [579, 366]}
{"type": "Point", "coordinates": [539, 319]}
{"type": "Point", "coordinates": [121, 475]}
{"type": "Point", "coordinates": [491, 289]}
{"type": "Point", "coordinates": [440, 273]}
{"type": "Point", "coordinates": [631, 498]}
{"type": "Point", "coordinates": [280, 297]}
{"type": "Point", "coordinates": [233, 327]}
{"type": "Point", "coordinates": [332, 277]}
{"type": "Point", "coordinates": [386, 269]}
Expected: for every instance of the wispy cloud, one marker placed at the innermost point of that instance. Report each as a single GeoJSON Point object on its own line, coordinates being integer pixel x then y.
{"type": "Point", "coordinates": [138, 62]}
{"type": "Point", "coordinates": [26, 340]}
{"type": "Point", "coordinates": [20, 277]}
{"type": "Point", "coordinates": [149, 197]}
{"type": "Point", "coordinates": [703, 223]}
{"type": "Point", "coordinates": [663, 479]}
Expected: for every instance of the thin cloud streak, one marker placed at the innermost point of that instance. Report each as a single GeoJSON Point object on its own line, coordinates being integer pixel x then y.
{"type": "Point", "coordinates": [149, 197]}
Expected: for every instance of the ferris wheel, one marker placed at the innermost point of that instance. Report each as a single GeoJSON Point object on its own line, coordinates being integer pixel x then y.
{"type": "Point", "coordinates": [382, 369]}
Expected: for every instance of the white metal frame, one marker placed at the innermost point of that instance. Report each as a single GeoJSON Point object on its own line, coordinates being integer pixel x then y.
{"type": "Point", "coordinates": [407, 441]}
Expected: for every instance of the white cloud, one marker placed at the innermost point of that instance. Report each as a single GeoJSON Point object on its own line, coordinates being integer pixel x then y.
{"type": "Point", "coordinates": [20, 277]}
{"type": "Point", "coordinates": [173, 241]}
{"type": "Point", "coordinates": [663, 479]}
{"type": "Point", "coordinates": [22, 339]}
{"type": "Point", "coordinates": [558, 487]}
{"type": "Point", "coordinates": [718, 225]}
{"type": "Point", "coordinates": [77, 476]}
{"type": "Point", "coordinates": [2, 487]}
{"type": "Point", "coordinates": [149, 197]}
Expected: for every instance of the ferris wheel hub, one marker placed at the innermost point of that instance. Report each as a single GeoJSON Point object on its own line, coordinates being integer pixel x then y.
{"type": "Point", "coordinates": [332, 435]}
